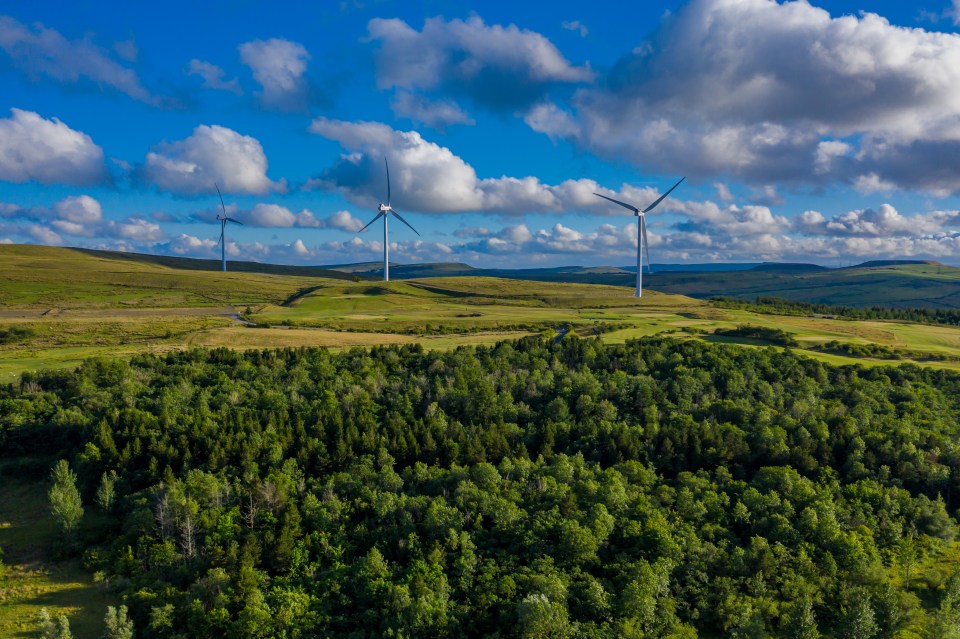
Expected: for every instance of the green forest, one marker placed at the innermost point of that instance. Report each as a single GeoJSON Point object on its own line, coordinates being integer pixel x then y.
{"type": "Point", "coordinates": [536, 488]}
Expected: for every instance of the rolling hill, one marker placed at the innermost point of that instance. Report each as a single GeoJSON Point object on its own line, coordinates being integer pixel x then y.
{"type": "Point", "coordinates": [910, 284]}
{"type": "Point", "coordinates": [54, 277]}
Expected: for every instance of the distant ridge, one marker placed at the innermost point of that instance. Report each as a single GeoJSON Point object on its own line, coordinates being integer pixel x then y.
{"type": "Point", "coordinates": [195, 264]}
{"type": "Point", "coordinates": [786, 266]}
{"type": "Point", "coordinates": [698, 268]}
{"type": "Point", "coordinates": [879, 263]}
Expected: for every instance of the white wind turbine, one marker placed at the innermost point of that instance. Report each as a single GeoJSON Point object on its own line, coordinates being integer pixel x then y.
{"type": "Point", "coordinates": [384, 211]}
{"type": "Point", "coordinates": [642, 230]}
{"type": "Point", "coordinates": [223, 227]}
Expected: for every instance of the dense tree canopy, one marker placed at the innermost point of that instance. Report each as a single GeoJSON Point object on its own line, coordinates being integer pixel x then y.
{"type": "Point", "coordinates": [537, 489]}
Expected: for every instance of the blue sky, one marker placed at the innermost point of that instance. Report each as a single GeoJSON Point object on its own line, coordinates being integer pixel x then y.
{"type": "Point", "coordinates": [824, 132]}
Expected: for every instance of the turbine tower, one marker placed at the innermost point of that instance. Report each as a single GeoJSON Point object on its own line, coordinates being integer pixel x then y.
{"type": "Point", "coordinates": [223, 227]}
{"type": "Point", "coordinates": [385, 211]}
{"type": "Point", "coordinates": [642, 231]}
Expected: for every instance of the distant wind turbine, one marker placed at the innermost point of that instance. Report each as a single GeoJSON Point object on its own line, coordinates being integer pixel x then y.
{"type": "Point", "coordinates": [384, 211]}
{"type": "Point", "coordinates": [223, 227]}
{"type": "Point", "coordinates": [642, 231]}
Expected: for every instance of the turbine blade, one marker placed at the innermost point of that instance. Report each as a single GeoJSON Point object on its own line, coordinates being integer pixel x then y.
{"type": "Point", "coordinates": [388, 179]}
{"type": "Point", "coordinates": [230, 219]}
{"type": "Point", "coordinates": [220, 241]}
{"type": "Point", "coordinates": [623, 204]}
{"type": "Point", "coordinates": [221, 199]}
{"type": "Point", "coordinates": [397, 215]}
{"type": "Point", "coordinates": [661, 198]}
{"type": "Point", "coordinates": [379, 215]}
{"type": "Point", "coordinates": [646, 242]}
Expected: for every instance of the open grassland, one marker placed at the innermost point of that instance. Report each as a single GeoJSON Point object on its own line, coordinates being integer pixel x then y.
{"type": "Point", "coordinates": [50, 279]}
{"type": "Point", "coordinates": [60, 306]}
{"type": "Point", "coordinates": [33, 579]}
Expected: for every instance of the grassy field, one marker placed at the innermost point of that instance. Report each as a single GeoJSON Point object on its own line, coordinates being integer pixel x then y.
{"type": "Point", "coordinates": [51, 279]}
{"type": "Point", "coordinates": [60, 306]}
{"type": "Point", "coordinates": [33, 579]}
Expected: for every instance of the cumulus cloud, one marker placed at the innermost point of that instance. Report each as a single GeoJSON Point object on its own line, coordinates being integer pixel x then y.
{"type": "Point", "coordinates": [280, 67]}
{"type": "Point", "coordinates": [546, 117]}
{"type": "Point", "coordinates": [39, 51]}
{"type": "Point", "coordinates": [213, 76]}
{"type": "Point", "coordinates": [885, 221]}
{"type": "Point", "coordinates": [47, 151]}
{"type": "Point", "coordinates": [265, 215]}
{"type": "Point", "coordinates": [212, 154]}
{"type": "Point", "coordinates": [495, 66]}
{"type": "Point", "coordinates": [81, 209]}
{"type": "Point", "coordinates": [77, 216]}
{"type": "Point", "coordinates": [434, 113]}
{"type": "Point", "coordinates": [429, 178]}
{"type": "Point", "coordinates": [779, 92]}
{"type": "Point", "coordinates": [44, 235]}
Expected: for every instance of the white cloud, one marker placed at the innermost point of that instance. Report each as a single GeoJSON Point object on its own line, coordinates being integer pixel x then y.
{"type": "Point", "coordinates": [184, 244]}
{"type": "Point", "coordinates": [344, 221]}
{"type": "Point", "coordinates": [548, 118]}
{"type": "Point", "coordinates": [40, 51]}
{"type": "Point", "coordinates": [79, 216]}
{"type": "Point", "coordinates": [44, 235]}
{"type": "Point", "coordinates": [213, 76]}
{"type": "Point", "coordinates": [81, 209]}
{"type": "Point", "coordinates": [723, 191]}
{"type": "Point", "coordinates": [212, 154]}
{"type": "Point", "coordinates": [429, 178]}
{"type": "Point", "coordinates": [135, 229]}
{"type": "Point", "coordinates": [779, 92]}
{"type": "Point", "coordinates": [434, 113]}
{"type": "Point", "coordinates": [872, 183]}
{"type": "Point", "coordinates": [576, 25]}
{"type": "Point", "coordinates": [264, 215]}
{"type": "Point", "coordinates": [301, 249]}
{"type": "Point", "coordinates": [884, 221]}
{"type": "Point", "coordinates": [280, 67]}
{"type": "Point", "coordinates": [496, 66]}
{"type": "Point", "coordinates": [48, 151]}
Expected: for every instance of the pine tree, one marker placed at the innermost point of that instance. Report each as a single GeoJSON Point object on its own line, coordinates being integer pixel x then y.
{"type": "Point", "coordinates": [802, 624]}
{"type": "Point", "coordinates": [50, 629]}
{"type": "Point", "coordinates": [65, 501]}
{"type": "Point", "coordinates": [119, 626]}
{"type": "Point", "coordinates": [106, 492]}
{"type": "Point", "coordinates": [858, 616]}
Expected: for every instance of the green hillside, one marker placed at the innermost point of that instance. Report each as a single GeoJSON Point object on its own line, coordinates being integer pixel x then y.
{"type": "Point", "coordinates": [194, 264]}
{"type": "Point", "coordinates": [52, 277]}
{"type": "Point", "coordinates": [899, 285]}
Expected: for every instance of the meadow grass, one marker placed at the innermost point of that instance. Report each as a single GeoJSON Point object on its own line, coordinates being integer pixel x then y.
{"type": "Point", "coordinates": [76, 305]}
{"type": "Point", "coordinates": [33, 578]}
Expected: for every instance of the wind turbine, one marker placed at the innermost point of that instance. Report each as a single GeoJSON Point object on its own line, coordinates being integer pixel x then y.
{"type": "Point", "coordinates": [223, 227]}
{"type": "Point", "coordinates": [642, 231]}
{"type": "Point", "coordinates": [384, 211]}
